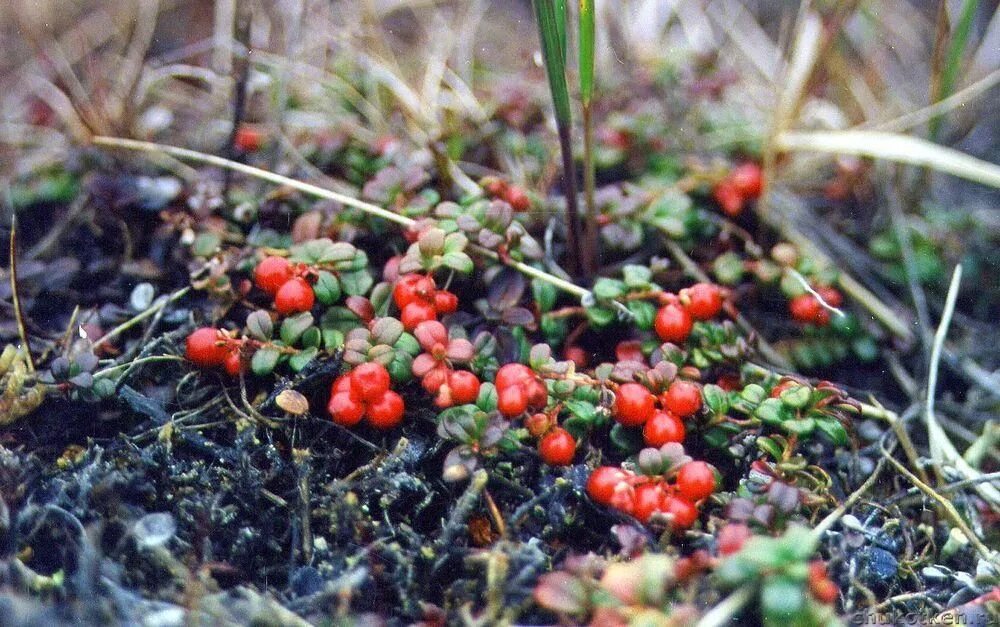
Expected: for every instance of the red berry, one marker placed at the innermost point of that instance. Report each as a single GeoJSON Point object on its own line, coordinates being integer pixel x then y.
{"type": "Point", "coordinates": [387, 411]}
{"type": "Point", "coordinates": [703, 300]}
{"type": "Point", "coordinates": [517, 198]}
{"type": "Point", "coordinates": [464, 387]}
{"type": "Point", "coordinates": [203, 347]}
{"type": "Point", "coordinates": [825, 591]}
{"type": "Point", "coordinates": [434, 379]}
{"type": "Point", "coordinates": [683, 398]}
{"type": "Point", "coordinates": [271, 273]}
{"type": "Point", "coordinates": [683, 513]}
{"type": "Point", "coordinates": [538, 394]}
{"type": "Point", "coordinates": [513, 374]}
{"type": "Point", "coordinates": [233, 363]}
{"type": "Point", "coordinates": [629, 350]}
{"type": "Point", "coordinates": [538, 424]}
{"type": "Point", "coordinates": [633, 405]}
{"type": "Point", "coordinates": [648, 498]}
{"type": "Point", "coordinates": [512, 401]}
{"type": "Point", "coordinates": [557, 447]}
{"type": "Point", "coordinates": [831, 295]}
{"type": "Point", "coordinates": [696, 481]}
{"type": "Point", "coordinates": [345, 410]}
{"type": "Point", "coordinates": [602, 483]}
{"type": "Point", "coordinates": [732, 537]}
{"type": "Point", "coordinates": [370, 381]}
{"type": "Point", "coordinates": [295, 296]}
{"type": "Point", "coordinates": [672, 323]}
{"type": "Point", "coordinates": [248, 139]}
{"type": "Point", "coordinates": [342, 384]}
{"type": "Point", "coordinates": [445, 302]}
{"type": "Point", "coordinates": [623, 499]}
{"type": "Point", "coordinates": [748, 180]}
{"type": "Point", "coordinates": [662, 428]}
{"type": "Point", "coordinates": [729, 198]}
{"type": "Point", "coordinates": [805, 308]}
{"type": "Point", "coordinates": [416, 312]}
{"type": "Point", "coordinates": [576, 355]}
{"type": "Point", "coordinates": [411, 288]}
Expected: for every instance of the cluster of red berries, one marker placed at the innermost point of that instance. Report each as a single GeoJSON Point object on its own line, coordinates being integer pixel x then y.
{"type": "Point", "coordinates": [515, 196]}
{"type": "Point", "coordinates": [807, 309]}
{"type": "Point", "coordinates": [286, 283]}
{"type": "Point", "coordinates": [434, 366]}
{"type": "Point", "coordinates": [743, 183]}
{"type": "Point", "coordinates": [636, 406]}
{"type": "Point", "coordinates": [364, 393]}
{"type": "Point", "coordinates": [820, 585]}
{"type": "Point", "coordinates": [674, 320]}
{"type": "Point", "coordinates": [420, 300]}
{"type": "Point", "coordinates": [208, 347]}
{"type": "Point", "coordinates": [641, 496]}
{"type": "Point", "coordinates": [518, 388]}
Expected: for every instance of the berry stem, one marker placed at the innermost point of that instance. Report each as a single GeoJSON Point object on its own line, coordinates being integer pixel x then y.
{"type": "Point", "coordinates": [131, 322]}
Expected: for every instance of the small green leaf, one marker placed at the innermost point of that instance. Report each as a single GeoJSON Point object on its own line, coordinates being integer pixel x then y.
{"type": "Point", "coordinates": [716, 399]}
{"type": "Point", "coordinates": [327, 288]}
{"type": "Point", "coordinates": [637, 277]}
{"type": "Point", "coordinates": [357, 282]}
{"type": "Point", "coordinates": [608, 289]}
{"type": "Point", "coordinates": [833, 429]}
{"type": "Point", "coordinates": [292, 328]}
{"type": "Point", "coordinates": [264, 361]}
{"type": "Point", "coordinates": [796, 396]}
{"type": "Point", "coordinates": [545, 295]}
{"type": "Point", "coordinates": [769, 446]}
{"type": "Point", "coordinates": [458, 261]}
{"type": "Point", "coordinates": [644, 313]}
{"type": "Point", "coordinates": [313, 337]}
{"type": "Point", "coordinates": [772, 411]}
{"type": "Point", "coordinates": [781, 600]}
{"type": "Point", "coordinates": [753, 393]}
{"type": "Point", "coordinates": [625, 439]}
{"type": "Point", "coordinates": [800, 426]}
{"type": "Point", "coordinates": [260, 326]}
{"type": "Point", "coordinates": [300, 360]}
{"type": "Point", "coordinates": [600, 316]}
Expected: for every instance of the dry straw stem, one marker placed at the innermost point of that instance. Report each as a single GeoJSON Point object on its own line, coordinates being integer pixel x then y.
{"type": "Point", "coordinates": [941, 448]}
{"type": "Point", "coordinates": [893, 147]}
{"type": "Point", "coordinates": [320, 192]}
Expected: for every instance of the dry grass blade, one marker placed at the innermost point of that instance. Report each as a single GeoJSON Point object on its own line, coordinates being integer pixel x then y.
{"type": "Point", "coordinates": [893, 147]}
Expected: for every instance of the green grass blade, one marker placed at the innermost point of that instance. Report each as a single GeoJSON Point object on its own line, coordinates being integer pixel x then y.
{"type": "Point", "coordinates": [953, 58]}
{"type": "Point", "coordinates": [555, 67]}
{"type": "Point", "coordinates": [586, 45]}
{"type": "Point", "coordinates": [561, 27]}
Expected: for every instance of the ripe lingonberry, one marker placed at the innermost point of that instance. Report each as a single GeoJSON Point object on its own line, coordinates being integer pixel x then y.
{"type": "Point", "coordinates": [748, 180]}
{"type": "Point", "coordinates": [511, 374]}
{"type": "Point", "coordinates": [683, 512]}
{"type": "Point", "coordinates": [633, 405]}
{"type": "Point", "coordinates": [345, 410]}
{"type": "Point", "coordinates": [729, 198]}
{"type": "Point", "coordinates": [271, 273]}
{"type": "Point", "coordinates": [512, 401]}
{"type": "Point", "coordinates": [732, 537]}
{"type": "Point", "coordinates": [576, 355]}
{"type": "Point", "coordinates": [411, 288]}
{"type": "Point", "coordinates": [602, 483]}
{"type": "Point", "coordinates": [831, 295]}
{"type": "Point", "coordinates": [464, 387]}
{"type": "Point", "coordinates": [822, 589]}
{"type": "Point", "coordinates": [673, 323]}
{"type": "Point", "coordinates": [683, 398]}
{"type": "Point", "coordinates": [370, 380]}
{"type": "Point", "coordinates": [295, 296]}
{"type": "Point", "coordinates": [623, 499]}
{"type": "Point", "coordinates": [696, 481]}
{"type": "Point", "coordinates": [206, 348]}
{"type": "Point", "coordinates": [557, 447]}
{"type": "Point", "coordinates": [233, 363]}
{"type": "Point", "coordinates": [517, 198]}
{"type": "Point", "coordinates": [806, 309]}
{"type": "Point", "coordinates": [702, 300]}
{"type": "Point", "coordinates": [629, 350]}
{"type": "Point", "coordinates": [387, 411]}
{"type": "Point", "coordinates": [648, 499]}
{"type": "Point", "coordinates": [445, 302]}
{"type": "Point", "coordinates": [248, 139]}
{"type": "Point", "coordinates": [416, 312]}
{"type": "Point", "coordinates": [662, 428]}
